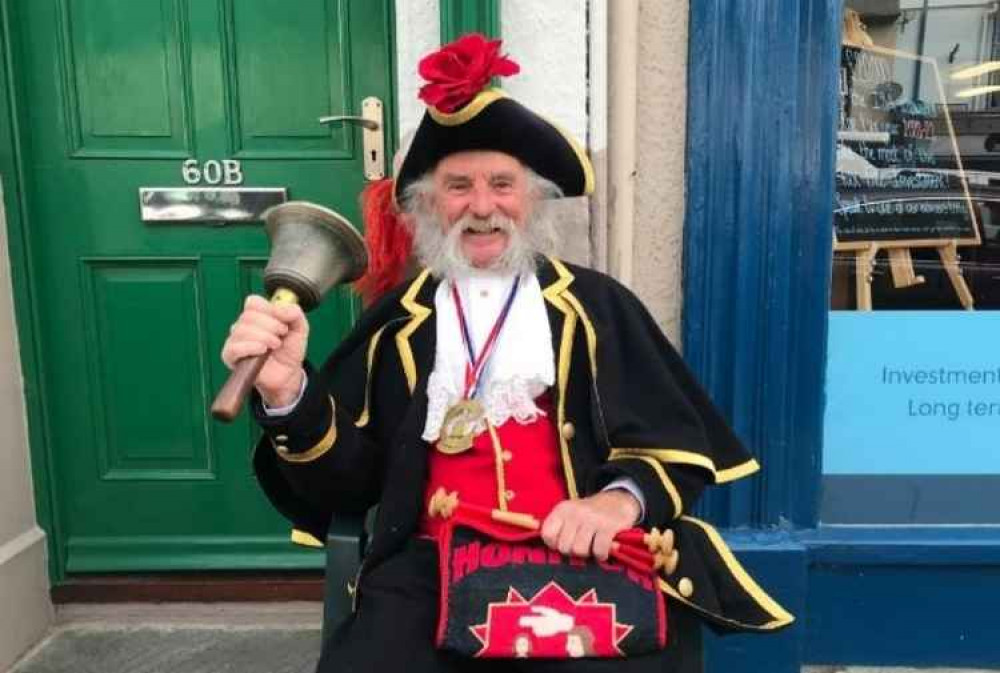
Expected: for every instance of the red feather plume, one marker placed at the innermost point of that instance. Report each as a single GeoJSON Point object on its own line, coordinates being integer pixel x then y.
{"type": "Point", "coordinates": [390, 242]}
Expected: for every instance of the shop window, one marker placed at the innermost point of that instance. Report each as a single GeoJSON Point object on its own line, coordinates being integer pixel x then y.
{"type": "Point", "coordinates": [912, 429]}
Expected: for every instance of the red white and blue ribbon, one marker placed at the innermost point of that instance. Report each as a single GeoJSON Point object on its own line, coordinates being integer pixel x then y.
{"type": "Point", "coordinates": [475, 365]}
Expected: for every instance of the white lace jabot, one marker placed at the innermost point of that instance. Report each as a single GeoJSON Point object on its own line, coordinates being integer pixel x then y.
{"type": "Point", "coordinates": [522, 366]}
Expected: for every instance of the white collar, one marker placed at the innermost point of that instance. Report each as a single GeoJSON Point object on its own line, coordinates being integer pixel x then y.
{"type": "Point", "coordinates": [522, 365]}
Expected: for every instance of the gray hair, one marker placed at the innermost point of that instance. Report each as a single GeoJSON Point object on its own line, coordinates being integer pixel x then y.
{"type": "Point", "coordinates": [440, 252]}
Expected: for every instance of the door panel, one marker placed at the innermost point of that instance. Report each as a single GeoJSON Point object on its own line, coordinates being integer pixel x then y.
{"type": "Point", "coordinates": [126, 90]}
{"type": "Point", "coordinates": [169, 438]}
{"type": "Point", "coordinates": [133, 315]}
{"type": "Point", "coordinates": [289, 71]}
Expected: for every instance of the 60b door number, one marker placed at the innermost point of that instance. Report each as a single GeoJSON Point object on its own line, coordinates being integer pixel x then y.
{"type": "Point", "coordinates": [212, 172]}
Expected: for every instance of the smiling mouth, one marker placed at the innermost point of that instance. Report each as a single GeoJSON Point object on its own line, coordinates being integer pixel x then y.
{"type": "Point", "coordinates": [487, 229]}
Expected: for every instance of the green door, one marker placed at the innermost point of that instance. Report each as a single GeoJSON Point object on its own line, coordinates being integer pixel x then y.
{"type": "Point", "coordinates": [116, 95]}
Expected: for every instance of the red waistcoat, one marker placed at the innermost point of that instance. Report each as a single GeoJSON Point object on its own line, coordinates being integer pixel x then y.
{"type": "Point", "coordinates": [523, 474]}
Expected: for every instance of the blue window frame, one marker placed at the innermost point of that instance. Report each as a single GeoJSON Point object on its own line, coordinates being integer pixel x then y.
{"type": "Point", "coordinates": [762, 105]}
{"type": "Point", "coordinates": [763, 98]}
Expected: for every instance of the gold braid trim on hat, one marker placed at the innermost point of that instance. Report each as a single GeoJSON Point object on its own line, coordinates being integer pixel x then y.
{"type": "Point", "coordinates": [472, 108]}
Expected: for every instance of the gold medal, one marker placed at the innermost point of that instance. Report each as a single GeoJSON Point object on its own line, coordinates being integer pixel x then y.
{"type": "Point", "coordinates": [459, 426]}
{"type": "Point", "coordinates": [458, 429]}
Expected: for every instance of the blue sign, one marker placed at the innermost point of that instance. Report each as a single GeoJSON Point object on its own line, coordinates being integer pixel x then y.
{"type": "Point", "coordinates": [913, 392]}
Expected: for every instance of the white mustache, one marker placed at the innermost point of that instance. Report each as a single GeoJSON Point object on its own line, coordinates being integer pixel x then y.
{"type": "Point", "coordinates": [485, 226]}
{"type": "Point", "coordinates": [439, 245]}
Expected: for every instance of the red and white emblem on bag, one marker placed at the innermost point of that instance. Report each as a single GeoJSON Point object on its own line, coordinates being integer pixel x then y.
{"type": "Point", "coordinates": [551, 624]}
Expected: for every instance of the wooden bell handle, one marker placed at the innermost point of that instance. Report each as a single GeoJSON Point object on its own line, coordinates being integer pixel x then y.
{"type": "Point", "coordinates": [229, 400]}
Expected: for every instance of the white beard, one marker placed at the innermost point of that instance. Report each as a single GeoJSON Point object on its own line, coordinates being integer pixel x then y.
{"type": "Point", "coordinates": [442, 253]}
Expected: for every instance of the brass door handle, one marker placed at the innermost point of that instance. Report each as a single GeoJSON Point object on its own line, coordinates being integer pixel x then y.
{"type": "Point", "coordinates": [372, 135]}
{"type": "Point", "coordinates": [360, 121]}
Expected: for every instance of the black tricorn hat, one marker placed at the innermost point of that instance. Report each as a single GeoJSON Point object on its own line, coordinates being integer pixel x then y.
{"type": "Point", "coordinates": [489, 120]}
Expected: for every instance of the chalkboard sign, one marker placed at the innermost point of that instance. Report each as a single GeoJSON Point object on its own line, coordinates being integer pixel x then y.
{"type": "Point", "coordinates": [900, 181]}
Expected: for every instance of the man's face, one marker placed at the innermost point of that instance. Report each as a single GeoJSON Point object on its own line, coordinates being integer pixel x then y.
{"type": "Point", "coordinates": [469, 189]}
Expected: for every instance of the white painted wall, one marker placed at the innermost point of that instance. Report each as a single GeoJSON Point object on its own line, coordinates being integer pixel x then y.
{"type": "Point", "coordinates": [550, 41]}
{"type": "Point", "coordinates": [418, 32]}
{"type": "Point", "coordinates": [25, 610]}
{"type": "Point", "coordinates": [597, 142]}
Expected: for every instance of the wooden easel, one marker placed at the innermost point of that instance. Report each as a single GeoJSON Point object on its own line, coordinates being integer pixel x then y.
{"type": "Point", "coordinates": [903, 274]}
{"type": "Point", "coordinates": [854, 34]}
{"type": "Point", "coordinates": [854, 31]}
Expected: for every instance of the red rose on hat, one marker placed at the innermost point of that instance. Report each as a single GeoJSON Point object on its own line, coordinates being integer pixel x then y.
{"type": "Point", "coordinates": [460, 70]}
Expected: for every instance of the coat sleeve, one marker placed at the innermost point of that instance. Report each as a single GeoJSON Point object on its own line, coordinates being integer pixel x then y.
{"type": "Point", "coordinates": [660, 427]}
{"type": "Point", "coordinates": [326, 457]}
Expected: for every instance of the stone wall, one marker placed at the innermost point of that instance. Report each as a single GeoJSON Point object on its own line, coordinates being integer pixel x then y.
{"type": "Point", "coordinates": [25, 610]}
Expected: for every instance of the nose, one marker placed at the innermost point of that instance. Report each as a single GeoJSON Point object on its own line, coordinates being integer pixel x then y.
{"type": "Point", "coordinates": [481, 204]}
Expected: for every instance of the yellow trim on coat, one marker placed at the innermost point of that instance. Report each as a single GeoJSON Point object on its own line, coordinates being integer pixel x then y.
{"type": "Point", "coordinates": [691, 458]}
{"type": "Point", "coordinates": [418, 313]}
{"type": "Point", "coordinates": [552, 294]}
{"type": "Point", "coordinates": [675, 595]}
{"type": "Point", "coordinates": [498, 460]}
{"type": "Point", "coordinates": [559, 285]}
{"type": "Point", "coordinates": [737, 472]}
{"type": "Point", "coordinates": [668, 484]}
{"type": "Point", "coordinates": [482, 100]}
{"type": "Point", "coordinates": [366, 412]}
{"type": "Point", "coordinates": [781, 616]}
{"type": "Point", "coordinates": [300, 537]}
{"type": "Point", "coordinates": [588, 328]}
{"type": "Point", "coordinates": [320, 448]}
{"type": "Point", "coordinates": [565, 353]}
{"type": "Point", "coordinates": [662, 455]}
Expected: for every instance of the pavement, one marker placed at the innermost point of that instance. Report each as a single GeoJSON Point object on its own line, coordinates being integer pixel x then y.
{"type": "Point", "coordinates": [883, 669]}
{"type": "Point", "coordinates": [216, 638]}
{"type": "Point", "coordinates": [179, 638]}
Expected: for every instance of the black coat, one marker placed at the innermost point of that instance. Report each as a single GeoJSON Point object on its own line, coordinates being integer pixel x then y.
{"type": "Point", "coordinates": [626, 405]}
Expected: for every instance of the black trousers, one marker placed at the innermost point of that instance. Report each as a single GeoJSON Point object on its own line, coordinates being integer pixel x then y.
{"type": "Point", "coordinates": [393, 630]}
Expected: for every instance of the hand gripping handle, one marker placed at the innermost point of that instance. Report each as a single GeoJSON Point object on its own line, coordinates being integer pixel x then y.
{"type": "Point", "coordinates": [229, 400]}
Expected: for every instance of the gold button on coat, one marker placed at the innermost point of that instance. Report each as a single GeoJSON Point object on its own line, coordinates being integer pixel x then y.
{"type": "Point", "coordinates": [507, 456]}
{"type": "Point", "coordinates": [686, 587]}
{"type": "Point", "coordinates": [568, 431]}
{"type": "Point", "coordinates": [509, 495]}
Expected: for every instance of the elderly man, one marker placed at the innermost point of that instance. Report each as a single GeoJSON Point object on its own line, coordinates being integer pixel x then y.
{"type": "Point", "coordinates": [502, 375]}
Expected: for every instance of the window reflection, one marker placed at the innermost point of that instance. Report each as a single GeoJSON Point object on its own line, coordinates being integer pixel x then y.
{"type": "Point", "coordinates": [913, 375]}
{"type": "Point", "coordinates": [917, 222]}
